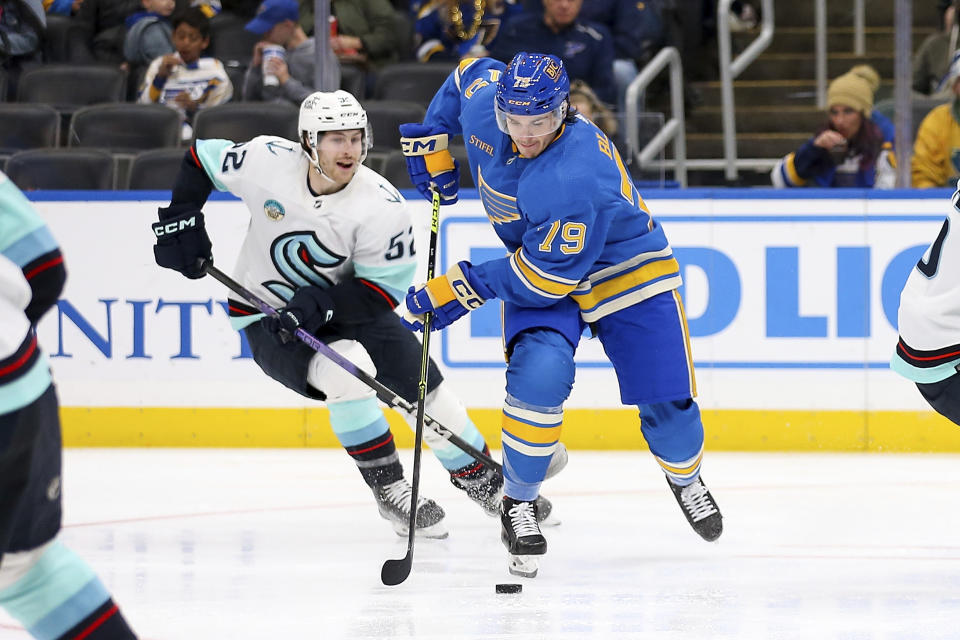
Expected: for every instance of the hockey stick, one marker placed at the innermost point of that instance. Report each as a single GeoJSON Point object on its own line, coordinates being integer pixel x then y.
{"type": "Point", "coordinates": [385, 394]}
{"type": "Point", "coordinates": [394, 571]}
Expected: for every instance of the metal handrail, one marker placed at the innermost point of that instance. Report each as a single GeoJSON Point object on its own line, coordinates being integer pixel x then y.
{"type": "Point", "coordinates": [729, 70]}
{"type": "Point", "coordinates": [673, 129]}
{"type": "Point", "coordinates": [820, 37]}
{"type": "Point", "coordinates": [859, 41]}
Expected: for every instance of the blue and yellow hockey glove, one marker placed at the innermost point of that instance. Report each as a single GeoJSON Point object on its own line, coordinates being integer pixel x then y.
{"type": "Point", "coordinates": [449, 297]}
{"type": "Point", "coordinates": [429, 163]}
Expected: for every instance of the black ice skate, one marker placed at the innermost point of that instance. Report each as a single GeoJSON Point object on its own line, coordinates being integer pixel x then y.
{"type": "Point", "coordinates": [393, 501]}
{"type": "Point", "coordinates": [521, 535]}
{"type": "Point", "coordinates": [699, 507]}
{"type": "Point", "coordinates": [485, 487]}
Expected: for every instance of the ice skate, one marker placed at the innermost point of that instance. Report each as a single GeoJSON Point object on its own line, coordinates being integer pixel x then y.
{"type": "Point", "coordinates": [485, 487]}
{"type": "Point", "coordinates": [699, 507]}
{"type": "Point", "coordinates": [521, 535]}
{"type": "Point", "coordinates": [393, 501]}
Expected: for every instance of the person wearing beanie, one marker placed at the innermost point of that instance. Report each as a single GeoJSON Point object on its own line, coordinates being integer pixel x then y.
{"type": "Point", "coordinates": [870, 74]}
{"type": "Point", "coordinates": [936, 151]}
{"type": "Point", "coordinates": [850, 149]}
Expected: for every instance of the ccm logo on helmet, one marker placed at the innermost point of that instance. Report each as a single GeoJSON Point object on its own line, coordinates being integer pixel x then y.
{"type": "Point", "coordinates": [522, 103]}
{"type": "Point", "coordinates": [174, 227]}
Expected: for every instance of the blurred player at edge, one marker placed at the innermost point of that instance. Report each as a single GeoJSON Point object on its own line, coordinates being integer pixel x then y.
{"type": "Point", "coordinates": [50, 590]}
{"type": "Point", "coordinates": [928, 351]}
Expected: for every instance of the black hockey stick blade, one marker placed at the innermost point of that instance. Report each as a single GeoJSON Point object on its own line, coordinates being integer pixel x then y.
{"type": "Point", "coordinates": [394, 571]}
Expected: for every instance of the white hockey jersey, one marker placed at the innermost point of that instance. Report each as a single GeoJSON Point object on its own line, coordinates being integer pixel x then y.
{"type": "Point", "coordinates": [929, 316]}
{"type": "Point", "coordinates": [205, 80]}
{"type": "Point", "coordinates": [296, 238]}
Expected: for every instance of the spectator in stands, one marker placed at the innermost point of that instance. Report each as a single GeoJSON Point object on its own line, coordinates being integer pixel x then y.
{"type": "Point", "coordinates": [638, 33]}
{"type": "Point", "coordinates": [22, 23]}
{"type": "Point", "coordinates": [455, 29]}
{"type": "Point", "coordinates": [870, 74]}
{"type": "Point", "coordinates": [62, 7]}
{"type": "Point", "coordinates": [588, 104]}
{"type": "Point", "coordinates": [210, 8]}
{"type": "Point", "coordinates": [936, 151]}
{"type": "Point", "coordinates": [366, 32]}
{"type": "Point", "coordinates": [850, 150]}
{"type": "Point", "coordinates": [104, 20]}
{"type": "Point", "coordinates": [149, 32]}
{"type": "Point", "coordinates": [932, 60]}
{"type": "Point", "coordinates": [276, 23]}
{"type": "Point", "coordinates": [186, 80]}
{"type": "Point", "coordinates": [586, 48]}
{"type": "Point", "coordinates": [366, 35]}
{"type": "Point", "coordinates": [743, 16]}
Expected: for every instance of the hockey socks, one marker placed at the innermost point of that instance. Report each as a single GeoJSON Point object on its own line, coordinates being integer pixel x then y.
{"type": "Point", "coordinates": [60, 598]}
{"type": "Point", "coordinates": [363, 431]}
{"type": "Point", "coordinates": [444, 407]}
{"type": "Point", "coordinates": [377, 460]}
{"type": "Point", "coordinates": [104, 623]}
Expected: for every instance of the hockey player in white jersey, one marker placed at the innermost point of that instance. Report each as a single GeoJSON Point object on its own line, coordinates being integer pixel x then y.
{"type": "Point", "coordinates": [331, 242]}
{"type": "Point", "coordinates": [44, 585]}
{"type": "Point", "coordinates": [928, 351]}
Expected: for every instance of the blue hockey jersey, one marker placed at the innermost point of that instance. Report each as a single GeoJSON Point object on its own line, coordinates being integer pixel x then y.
{"type": "Point", "coordinates": [572, 218]}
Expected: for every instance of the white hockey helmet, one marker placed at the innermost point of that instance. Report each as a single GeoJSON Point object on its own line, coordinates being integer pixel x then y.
{"type": "Point", "coordinates": [335, 111]}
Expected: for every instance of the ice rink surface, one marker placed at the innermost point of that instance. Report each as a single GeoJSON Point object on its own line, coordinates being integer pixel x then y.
{"type": "Point", "coordinates": [287, 544]}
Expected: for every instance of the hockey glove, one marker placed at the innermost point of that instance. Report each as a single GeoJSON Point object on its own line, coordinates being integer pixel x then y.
{"type": "Point", "coordinates": [449, 297]}
{"type": "Point", "coordinates": [429, 163]}
{"type": "Point", "coordinates": [182, 241]}
{"type": "Point", "coordinates": [310, 307]}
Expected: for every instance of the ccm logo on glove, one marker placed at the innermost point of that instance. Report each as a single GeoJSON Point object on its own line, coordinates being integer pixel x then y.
{"type": "Point", "coordinates": [167, 228]}
{"type": "Point", "coordinates": [423, 146]}
{"type": "Point", "coordinates": [465, 294]}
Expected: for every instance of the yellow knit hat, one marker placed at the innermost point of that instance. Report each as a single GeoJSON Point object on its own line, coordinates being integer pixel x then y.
{"type": "Point", "coordinates": [852, 90]}
{"type": "Point", "coordinates": [869, 74]}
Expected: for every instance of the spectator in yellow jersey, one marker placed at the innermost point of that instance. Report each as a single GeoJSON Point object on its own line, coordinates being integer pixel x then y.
{"type": "Point", "coordinates": [936, 151]}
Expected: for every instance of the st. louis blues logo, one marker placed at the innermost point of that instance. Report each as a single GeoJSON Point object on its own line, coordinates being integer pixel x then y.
{"type": "Point", "coordinates": [298, 256]}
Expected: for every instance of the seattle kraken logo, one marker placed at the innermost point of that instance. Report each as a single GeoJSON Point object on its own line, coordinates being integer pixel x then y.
{"type": "Point", "coordinates": [298, 256]}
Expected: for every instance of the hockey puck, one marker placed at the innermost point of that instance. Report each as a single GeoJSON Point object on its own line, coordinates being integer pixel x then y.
{"type": "Point", "coordinates": [509, 588]}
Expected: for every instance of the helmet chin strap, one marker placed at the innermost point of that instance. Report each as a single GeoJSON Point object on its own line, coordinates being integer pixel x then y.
{"type": "Point", "coordinates": [315, 163]}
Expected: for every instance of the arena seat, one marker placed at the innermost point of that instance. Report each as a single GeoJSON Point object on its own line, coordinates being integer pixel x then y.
{"type": "Point", "coordinates": [125, 127]}
{"type": "Point", "coordinates": [27, 126]}
{"type": "Point", "coordinates": [61, 169]}
{"type": "Point", "coordinates": [385, 118]}
{"type": "Point", "coordinates": [155, 169]}
{"type": "Point", "coordinates": [241, 121]}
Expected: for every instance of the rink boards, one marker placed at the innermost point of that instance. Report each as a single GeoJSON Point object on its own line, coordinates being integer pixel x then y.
{"type": "Point", "coordinates": [791, 304]}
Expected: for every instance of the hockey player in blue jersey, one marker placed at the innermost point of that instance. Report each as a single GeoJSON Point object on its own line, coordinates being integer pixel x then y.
{"type": "Point", "coordinates": [584, 251]}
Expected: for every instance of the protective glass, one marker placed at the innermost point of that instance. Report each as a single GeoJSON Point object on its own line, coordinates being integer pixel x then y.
{"type": "Point", "coordinates": [521, 126]}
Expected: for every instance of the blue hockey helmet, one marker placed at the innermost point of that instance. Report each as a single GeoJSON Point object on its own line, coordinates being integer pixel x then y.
{"type": "Point", "coordinates": [533, 84]}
